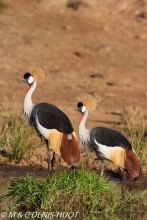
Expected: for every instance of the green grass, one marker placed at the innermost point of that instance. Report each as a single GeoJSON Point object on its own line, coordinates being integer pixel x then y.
{"type": "Point", "coordinates": [14, 138]}
{"type": "Point", "coordinates": [78, 191]}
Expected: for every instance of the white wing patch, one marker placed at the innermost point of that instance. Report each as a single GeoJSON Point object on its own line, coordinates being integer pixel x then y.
{"type": "Point", "coordinates": [43, 131]}
{"type": "Point", "coordinates": [104, 149]}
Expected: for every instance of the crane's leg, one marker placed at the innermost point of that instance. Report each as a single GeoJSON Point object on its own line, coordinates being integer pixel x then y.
{"type": "Point", "coordinates": [53, 161]}
{"type": "Point", "coordinates": [48, 156]}
{"type": "Point", "coordinates": [121, 184]}
{"type": "Point", "coordinates": [102, 168]}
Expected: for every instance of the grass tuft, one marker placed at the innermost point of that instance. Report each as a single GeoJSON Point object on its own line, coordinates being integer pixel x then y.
{"type": "Point", "coordinates": [135, 130]}
{"type": "Point", "coordinates": [15, 139]}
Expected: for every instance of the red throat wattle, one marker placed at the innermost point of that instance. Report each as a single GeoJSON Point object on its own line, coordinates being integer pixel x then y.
{"type": "Point", "coordinates": [28, 89]}
{"type": "Point", "coordinates": [81, 117]}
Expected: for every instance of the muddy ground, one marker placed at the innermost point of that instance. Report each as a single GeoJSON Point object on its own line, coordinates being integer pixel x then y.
{"type": "Point", "coordinates": [98, 47]}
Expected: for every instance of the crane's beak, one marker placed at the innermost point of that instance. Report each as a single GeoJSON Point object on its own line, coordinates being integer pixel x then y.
{"type": "Point", "coordinates": [23, 81]}
{"type": "Point", "coordinates": [78, 109]}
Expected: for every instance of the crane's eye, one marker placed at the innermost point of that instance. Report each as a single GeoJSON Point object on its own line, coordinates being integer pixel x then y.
{"type": "Point", "coordinates": [30, 80]}
{"type": "Point", "coordinates": [80, 104]}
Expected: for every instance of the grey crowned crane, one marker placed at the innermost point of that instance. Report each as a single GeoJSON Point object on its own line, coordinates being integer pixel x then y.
{"type": "Point", "coordinates": [50, 122]}
{"type": "Point", "coordinates": [107, 143]}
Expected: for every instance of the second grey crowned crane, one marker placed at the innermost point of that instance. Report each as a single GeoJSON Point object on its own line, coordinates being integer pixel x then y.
{"type": "Point", "coordinates": [108, 144]}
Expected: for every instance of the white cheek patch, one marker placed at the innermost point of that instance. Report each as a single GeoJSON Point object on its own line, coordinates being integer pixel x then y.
{"type": "Point", "coordinates": [31, 80]}
{"type": "Point", "coordinates": [83, 109]}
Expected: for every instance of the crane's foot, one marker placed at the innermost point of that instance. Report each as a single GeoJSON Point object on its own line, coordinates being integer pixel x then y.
{"type": "Point", "coordinates": [50, 171]}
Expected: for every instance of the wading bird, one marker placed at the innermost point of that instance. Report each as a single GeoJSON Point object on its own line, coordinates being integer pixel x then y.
{"type": "Point", "coordinates": [107, 143]}
{"type": "Point", "coordinates": [50, 122]}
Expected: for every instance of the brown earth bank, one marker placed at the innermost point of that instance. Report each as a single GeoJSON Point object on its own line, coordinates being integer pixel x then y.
{"type": "Point", "coordinates": [97, 47]}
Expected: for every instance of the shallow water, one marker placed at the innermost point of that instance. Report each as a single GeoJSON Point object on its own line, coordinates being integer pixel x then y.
{"type": "Point", "coordinates": [138, 184]}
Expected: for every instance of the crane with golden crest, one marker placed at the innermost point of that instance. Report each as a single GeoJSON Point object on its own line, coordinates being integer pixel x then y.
{"type": "Point", "coordinates": [50, 122]}
{"type": "Point", "coordinates": [107, 143]}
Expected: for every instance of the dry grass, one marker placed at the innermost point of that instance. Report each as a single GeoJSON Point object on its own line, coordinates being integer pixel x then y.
{"type": "Point", "coordinates": [15, 138]}
{"type": "Point", "coordinates": [135, 130]}
{"type": "Point", "coordinates": [20, 142]}
{"type": "Point", "coordinates": [3, 5]}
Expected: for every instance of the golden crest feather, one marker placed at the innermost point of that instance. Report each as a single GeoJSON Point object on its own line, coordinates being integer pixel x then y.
{"type": "Point", "coordinates": [88, 100]}
{"type": "Point", "coordinates": [38, 73]}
